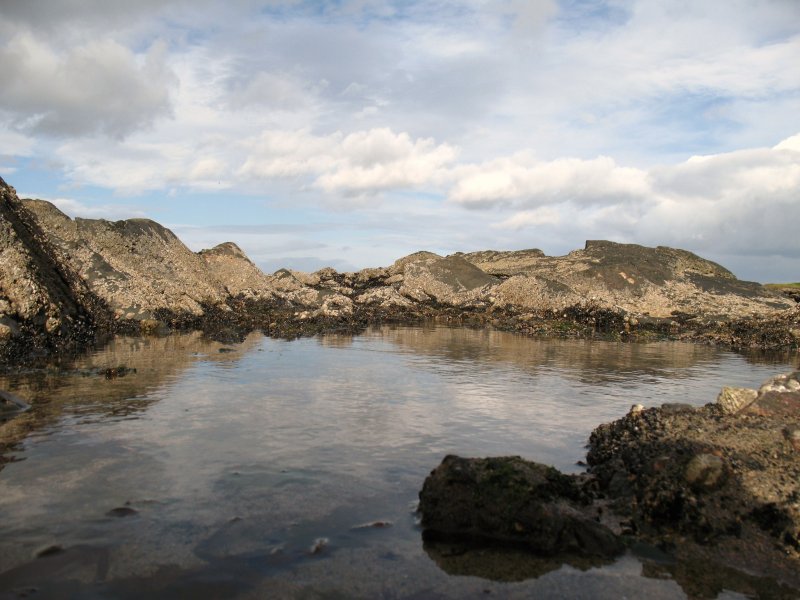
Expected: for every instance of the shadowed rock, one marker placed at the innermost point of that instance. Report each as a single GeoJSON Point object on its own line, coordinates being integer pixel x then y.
{"type": "Point", "coordinates": [508, 499]}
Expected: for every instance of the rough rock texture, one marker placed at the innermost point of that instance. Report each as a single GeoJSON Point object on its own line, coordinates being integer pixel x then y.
{"type": "Point", "coordinates": [237, 273]}
{"type": "Point", "coordinates": [136, 266]}
{"type": "Point", "coordinates": [712, 481]}
{"type": "Point", "coordinates": [451, 280]}
{"type": "Point", "coordinates": [655, 282]}
{"type": "Point", "coordinates": [59, 276]}
{"type": "Point", "coordinates": [716, 488]}
{"type": "Point", "coordinates": [39, 293]}
{"type": "Point", "coordinates": [512, 500]}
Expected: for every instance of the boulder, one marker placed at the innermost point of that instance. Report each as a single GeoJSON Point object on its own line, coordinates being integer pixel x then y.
{"type": "Point", "coordinates": [508, 499]}
{"type": "Point", "coordinates": [731, 400]}
{"type": "Point", "coordinates": [452, 280]}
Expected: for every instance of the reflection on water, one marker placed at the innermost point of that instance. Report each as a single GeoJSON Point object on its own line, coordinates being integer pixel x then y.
{"type": "Point", "coordinates": [247, 468]}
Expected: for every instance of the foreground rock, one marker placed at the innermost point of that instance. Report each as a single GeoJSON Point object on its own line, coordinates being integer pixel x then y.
{"type": "Point", "coordinates": [63, 279]}
{"type": "Point", "coordinates": [717, 485]}
{"type": "Point", "coordinates": [721, 481]}
{"type": "Point", "coordinates": [508, 499]}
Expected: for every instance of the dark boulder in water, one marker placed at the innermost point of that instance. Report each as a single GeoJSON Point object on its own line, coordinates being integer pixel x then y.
{"type": "Point", "coordinates": [508, 499]}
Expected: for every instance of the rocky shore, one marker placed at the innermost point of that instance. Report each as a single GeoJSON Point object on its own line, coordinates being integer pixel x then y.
{"type": "Point", "coordinates": [716, 489]}
{"type": "Point", "coordinates": [64, 281]}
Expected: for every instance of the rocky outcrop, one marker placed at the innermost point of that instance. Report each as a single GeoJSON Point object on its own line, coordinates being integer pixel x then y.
{"type": "Point", "coordinates": [651, 282]}
{"type": "Point", "coordinates": [717, 485]}
{"type": "Point", "coordinates": [137, 267]}
{"type": "Point", "coordinates": [60, 276]}
{"type": "Point", "coordinates": [722, 480]}
{"type": "Point", "coordinates": [40, 295]}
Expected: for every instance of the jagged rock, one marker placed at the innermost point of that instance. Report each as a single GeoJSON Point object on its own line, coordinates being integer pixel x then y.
{"type": "Point", "coordinates": [509, 499]}
{"type": "Point", "coordinates": [137, 267]}
{"type": "Point", "coordinates": [237, 273]}
{"type": "Point", "coordinates": [451, 280]}
{"type": "Point", "coordinates": [731, 400]}
{"type": "Point", "coordinates": [38, 292]}
{"type": "Point", "coordinates": [58, 275]}
{"type": "Point", "coordinates": [654, 282]}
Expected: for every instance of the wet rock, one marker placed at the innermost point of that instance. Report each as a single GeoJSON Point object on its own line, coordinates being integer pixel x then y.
{"type": "Point", "coordinates": [710, 482]}
{"type": "Point", "coordinates": [779, 396]}
{"type": "Point", "coordinates": [508, 499]}
{"type": "Point", "coordinates": [731, 400]}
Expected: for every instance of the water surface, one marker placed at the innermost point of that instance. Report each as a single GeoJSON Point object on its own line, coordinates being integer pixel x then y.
{"type": "Point", "coordinates": [256, 469]}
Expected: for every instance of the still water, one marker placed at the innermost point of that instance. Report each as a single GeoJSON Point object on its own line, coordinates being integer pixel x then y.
{"type": "Point", "coordinates": [290, 469]}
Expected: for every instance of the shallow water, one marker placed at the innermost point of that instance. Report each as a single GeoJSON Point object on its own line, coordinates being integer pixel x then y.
{"type": "Point", "coordinates": [251, 470]}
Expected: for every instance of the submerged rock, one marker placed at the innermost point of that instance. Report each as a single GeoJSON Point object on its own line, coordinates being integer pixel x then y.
{"type": "Point", "coordinates": [11, 404]}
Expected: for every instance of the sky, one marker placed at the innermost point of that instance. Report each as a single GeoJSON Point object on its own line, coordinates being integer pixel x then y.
{"type": "Point", "coordinates": [350, 133]}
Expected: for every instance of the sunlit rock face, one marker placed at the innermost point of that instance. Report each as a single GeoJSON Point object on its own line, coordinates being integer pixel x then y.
{"type": "Point", "coordinates": [38, 291]}
{"type": "Point", "coordinates": [58, 274]}
{"type": "Point", "coordinates": [657, 282]}
{"type": "Point", "coordinates": [136, 266]}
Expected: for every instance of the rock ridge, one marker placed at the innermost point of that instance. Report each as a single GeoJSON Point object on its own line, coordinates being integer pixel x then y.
{"type": "Point", "coordinates": [59, 276]}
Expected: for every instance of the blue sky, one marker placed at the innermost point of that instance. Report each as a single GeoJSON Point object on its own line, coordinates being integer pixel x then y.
{"type": "Point", "coordinates": [354, 132]}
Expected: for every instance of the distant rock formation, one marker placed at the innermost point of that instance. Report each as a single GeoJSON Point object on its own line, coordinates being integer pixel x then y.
{"type": "Point", "coordinates": [61, 276]}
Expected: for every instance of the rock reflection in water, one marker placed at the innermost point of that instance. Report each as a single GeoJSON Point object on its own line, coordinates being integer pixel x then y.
{"type": "Point", "coordinates": [501, 563]}
{"type": "Point", "coordinates": [698, 579]}
{"type": "Point", "coordinates": [121, 380]}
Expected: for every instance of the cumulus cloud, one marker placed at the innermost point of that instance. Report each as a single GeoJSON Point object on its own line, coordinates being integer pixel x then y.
{"type": "Point", "coordinates": [736, 203]}
{"type": "Point", "coordinates": [363, 162]}
{"type": "Point", "coordinates": [528, 218]}
{"type": "Point", "coordinates": [97, 87]}
{"type": "Point", "coordinates": [521, 180]}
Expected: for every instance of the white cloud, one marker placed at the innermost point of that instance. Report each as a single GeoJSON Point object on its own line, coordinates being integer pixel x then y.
{"type": "Point", "coordinates": [97, 87]}
{"type": "Point", "coordinates": [567, 120]}
{"type": "Point", "coordinates": [528, 218]}
{"type": "Point", "coordinates": [736, 203]}
{"type": "Point", "coordinates": [523, 181]}
{"type": "Point", "coordinates": [361, 162]}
